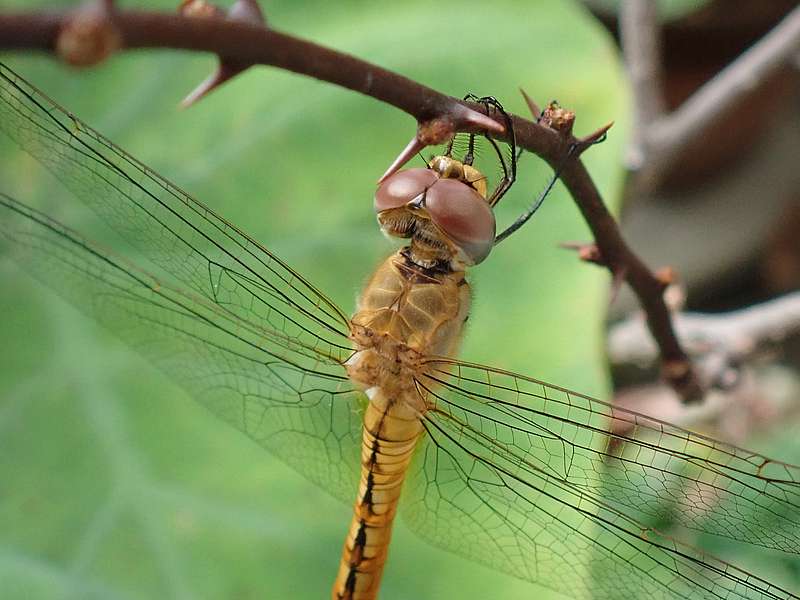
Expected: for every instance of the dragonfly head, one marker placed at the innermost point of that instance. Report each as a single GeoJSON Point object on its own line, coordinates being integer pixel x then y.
{"type": "Point", "coordinates": [443, 209]}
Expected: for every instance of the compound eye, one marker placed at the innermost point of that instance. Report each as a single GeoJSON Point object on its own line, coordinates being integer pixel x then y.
{"type": "Point", "coordinates": [403, 187]}
{"type": "Point", "coordinates": [463, 216]}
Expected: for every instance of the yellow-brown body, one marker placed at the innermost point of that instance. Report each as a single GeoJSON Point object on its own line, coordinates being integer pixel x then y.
{"type": "Point", "coordinates": [406, 311]}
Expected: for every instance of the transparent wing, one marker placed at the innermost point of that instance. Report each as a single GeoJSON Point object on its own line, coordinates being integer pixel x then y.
{"type": "Point", "coordinates": [528, 478]}
{"type": "Point", "coordinates": [293, 400]}
{"type": "Point", "coordinates": [244, 333]}
{"type": "Point", "coordinates": [513, 473]}
{"type": "Point", "coordinates": [172, 234]}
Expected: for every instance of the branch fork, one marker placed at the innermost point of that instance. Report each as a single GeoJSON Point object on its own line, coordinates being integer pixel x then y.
{"type": "Point", "coordinates": [659, 137]}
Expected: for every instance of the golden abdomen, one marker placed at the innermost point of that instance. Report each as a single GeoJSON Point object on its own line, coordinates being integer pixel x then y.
{"type": "Point", "coordinates": [405, 313]}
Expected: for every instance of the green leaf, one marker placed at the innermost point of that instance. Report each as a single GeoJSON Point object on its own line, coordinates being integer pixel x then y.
{"type": "Point", "coordinates": [113, 483]}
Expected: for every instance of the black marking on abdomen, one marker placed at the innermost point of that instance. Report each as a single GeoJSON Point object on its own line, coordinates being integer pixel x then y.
{"type": "Point", "coordinates": [373, 460]}
{"type": "Point", "coordinates": [359, 543]}
{"type": "Point", "coordinates": [367, 498]}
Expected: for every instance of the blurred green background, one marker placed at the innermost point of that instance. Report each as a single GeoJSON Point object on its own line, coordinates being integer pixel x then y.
{"type": "Point", "coordinates": [113, 483]}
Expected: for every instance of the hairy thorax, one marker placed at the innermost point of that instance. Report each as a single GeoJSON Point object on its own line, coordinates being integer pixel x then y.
{"type": "Point", "coordinates": [406, 312]}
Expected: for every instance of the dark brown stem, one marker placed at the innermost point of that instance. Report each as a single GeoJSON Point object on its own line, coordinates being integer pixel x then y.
{"type": "Point", "coordinates": [249, 43]}
{"type": "Point", "coordinates": [618, 257]}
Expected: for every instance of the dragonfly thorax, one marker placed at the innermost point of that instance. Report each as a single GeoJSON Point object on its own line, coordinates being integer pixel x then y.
{"type": "Point", "coordinates": [442, 209]}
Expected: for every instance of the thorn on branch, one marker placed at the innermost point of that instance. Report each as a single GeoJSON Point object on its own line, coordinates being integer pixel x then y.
{"type": "Point", "coordinates": [465, 119]}
{"type": "Point", "coordinates": [88, 37]}
{"type": "Point", "coordinates": [429, 133]}
{"type": "Point", "coordinates": [441, 129]}
{"type": "Point", "coordinates": [409, 152]}
{"type": "Point", "coordinates": [242, 10]}
{"type": "Point", "coordinates": [596, 137]}
{"type": "Point", "coordinates": [666, 276]}
{"type": "Point", "coordinates": [586, 252]}
{"type": "Point", "coordinates": [590, 253]}
{"type": "Point", "coordinates": [225, 70]}
{"type": "Point", "coordinates": [536, 112]}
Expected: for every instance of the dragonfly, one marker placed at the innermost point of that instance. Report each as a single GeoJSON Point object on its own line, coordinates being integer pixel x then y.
{"type": "Point", "coordinates": [525, 477]}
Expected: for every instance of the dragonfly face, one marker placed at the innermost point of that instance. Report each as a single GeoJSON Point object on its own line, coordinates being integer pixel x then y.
{"type": "Point", "coordinates": [440, 209]}
{"type": "Point", "coordinates": [509, 471]}
{"type": "Point", "coordinates": [445, 209]}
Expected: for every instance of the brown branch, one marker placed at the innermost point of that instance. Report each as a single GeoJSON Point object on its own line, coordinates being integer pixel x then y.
{"type": "Point", "coordinates": [676, 367]}
{"type": "Point", "coordinates": [664, 139]}
{"type": "Point", "coordinates": [739, 334]}
{"type": "Point", "coordinates": [249, 43]}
